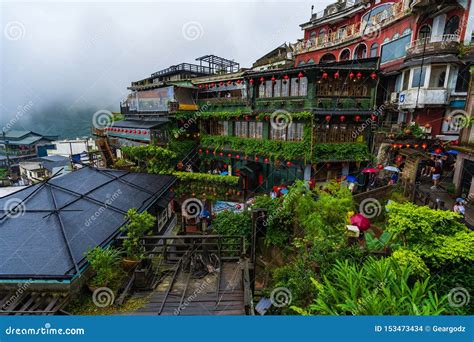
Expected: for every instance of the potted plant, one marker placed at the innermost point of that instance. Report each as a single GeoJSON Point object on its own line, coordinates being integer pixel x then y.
{"type": "Point", "coordinates": [138, 225]}
{"type": "Point", "coordinates": [104, 263]}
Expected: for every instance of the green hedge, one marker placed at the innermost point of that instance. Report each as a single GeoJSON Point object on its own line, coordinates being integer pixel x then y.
{"type": "Point", "coordinates": [341, 151]}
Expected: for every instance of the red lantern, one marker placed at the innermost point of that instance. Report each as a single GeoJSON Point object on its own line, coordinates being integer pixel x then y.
{"type": "Point", "coordinates": [351, 75]}
{"type": "Point", "coordinates": [237, 156]}
{"type": "Point", "coordinates": [427, 126]}
{"type": "Point", "coordinates": [342, 118]}
{"type": "Point", "coordinates": [394, 145]}
{"type": "Point", "coordinates": [266, 160]}
{"type": "Point", "coordinates": [336, 76]}
{"type": "Point", "coordinates": [229, 155]}
{"type": "Point", "coordinates": [408, 145]}
{"type": "Point", "coordinates": [262, 79]}
{"type": "Point", "coordinates": [207, 86]}
{"type": "Point", "coordinates": [213, 85]}
{"type": "Point", "coordinates": [238, 81]}
{"type": "Point", "coordinates": [200, 86]}
{"type": "Point", "coordinates": [438, 151]}
{"type": "Point", "coordinates": [288, 163]}
{"type": "Point", "coordinates": [267, 117]}
{"type": "Point", "coordinates": [359, 75]}
{"type": "Point", "coordinates": [225, 165]}
{"type": "Point", "coordinates": [325, 75]}
{"type": "Point", "coordinates": [221, 84]}
{"type": "Point", "coordinates": [286, 77]}
{"type": "Point", "coordinates": [424, 146]}
{"type": "Point", "coordinates": [374, 117]}
{"type": "Point", "coordinates": [273, 79]}
{"type": "Point", "coordinates": [400, 145]}
{"type": "Point", "coordinates": [257, 158]}
{"type": "Point", "coordinates": [247, 117]}
{"type": "Point", "coordinates": [200, 151]}
{"type": "Point", "coordinates": [373, 75]}
{"type": "Point", "coordinates": [221, 154]}
{"type": "Point", "coordinates": [380, 166]}
{"type": "Point", "coordinates": [207, 151]}
{"type": "Point", "coordinates": [300, 74]}
{"type": "Point", "coordinates": [416, 146]}
{"type": "Point", "coordinates": [328, 117]}
{"type": "Point", "coordinates": [357, 118]}
{"type": "Point", "coordinates": [251, 81]}
{"type": "Point", "coordinates": [229, 82]}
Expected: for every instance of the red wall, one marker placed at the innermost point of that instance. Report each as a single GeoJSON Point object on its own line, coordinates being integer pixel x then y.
{"type": "Point", "coordinates": [433, 116]}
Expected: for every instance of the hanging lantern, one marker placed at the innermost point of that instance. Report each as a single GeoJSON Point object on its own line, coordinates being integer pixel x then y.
{"type": "Point", "coordinates": [207, 151]}
{"type": "Point", "coordinates": [238, 81]}
{"type": "Point", "coordinates": [207, 86]}
{"type": "Point", "coordinates": [200, 151]}
{"type": "Point", "coordinates": [351, 75]}
{"type": "Point", "coordinates": [262, 79]}
{"type": "Point", "coordinates": [257, 158]}
{"type": "Point", "coordinates": [400, 145]}
{"type": "Point", "coordinates": [357, 118]}
{"type": "Point", "coordinates": [286, 77]}
{"type": "Point", "coordinates": [221, 84]}
{"type": "Point", "coordinates": [225, 165]}
{"type": "Point", "coordinates": [373, 75]}
{"type": "Point", "coordinates": [273, 79]}
{"type": "Point", "coordinates": [342, 118]}
{"type": "Point", "coordinates": [424, 146]}
{"type": "Point", "coordinates": [267, 117]}
{"type": "Point", "coordinates": [427, 126]}
{"type": "Point", "coordinates": [266, 160]}
{"type": "Point", "coordinates": [359, 75]}
{"type": "Point", "coordinates": [380, 166]}
{"type": "Point", "coordinates": [237, 156]}
{"type": "Point", "coordinates": [394, 145]}
{"type": "Point", "coordinates": [416, 146]}
{"type": "Point", "coordinates": [229, 82]}
{"type": "Point", "coordinates": [300, 75]}
{"type": "Point", "coordinates": [221, 154]}
{"type": "Point", "coordinates": [374, 117]}
{"type": "Point", "coordinates": [438, 151]}
{"type": "Point", "coordinates": [288, 163]}
{"type": "Point", "coordinates": [336, 75]}
{"type": "Point", "coordinates": [200, 86]}
{"type": "Point", "coordinates": [251, 81]}
{"type": "Point", "coordinates": [213, 85]}
{"type": "Point", "coordinates": [229, 155]}
{"type": "Point", "coordinates": [325, 75]}
{"type": "Point", "coordinates": [408, 145]}
{"type": "Point", "coordinates": [247, 117]}
{"type": "Point", "coordinates": [328, 117]}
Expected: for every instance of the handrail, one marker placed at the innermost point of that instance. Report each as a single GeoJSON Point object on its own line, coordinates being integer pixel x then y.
{"type": "Point", "coordinates": [445, 38]}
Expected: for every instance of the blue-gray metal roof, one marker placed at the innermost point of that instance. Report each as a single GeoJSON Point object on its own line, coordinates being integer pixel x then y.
{"type": "Point", "coordinates": [58, 220]}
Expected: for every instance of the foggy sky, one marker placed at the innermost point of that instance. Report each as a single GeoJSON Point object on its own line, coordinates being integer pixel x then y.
{"type": "Point", "coordinates": [61, 62]}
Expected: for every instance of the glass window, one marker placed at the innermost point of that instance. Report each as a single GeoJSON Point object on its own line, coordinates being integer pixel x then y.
{"type": "Point", "coordinates": [438, 76]}
{"type": "Point", "coordinates": [277, 88]}
{"type": "Point", "coordinates": [406, 77]}
{"type": "Point", "coordinates": [395, 49]}
{"type": "Point", "coordinates": [303, 86]}
{"type": "Point", "coordinates": [225, 125]}
{"type": "Point", "coordinates": [462, 82]}
{"type": "Point", "coordinates": [295, 131]}
{"type": "Point", "coordinates": [418, 77]}
{"type": "Point", "coordinates": [244, 126]}
{"type": "Point", "coordinates": [294, 86]}
{"type": "Point", "coordinates": [425, 32]}
{"type": "Point", "coordinates": [345, 55]}
{"type": "Point", "coordinates": [278, 134]}
{"type": "Point", "coordinates": [255, 130]}
{"type": "Point", "coordinates": [452, 25]}
{"type": "Point", "coordinates": [374, 50]}
{"type": "Point", "coordinates": [268, 88]}
{"type": "Point", "coordinates": [261, 90]}
{"type": "Point", "coordinates": [285, 88]}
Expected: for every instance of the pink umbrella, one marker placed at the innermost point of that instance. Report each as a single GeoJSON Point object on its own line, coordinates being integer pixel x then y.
{"type": "Point", "coordinates": [370, 170]}
{"type": "Point", "coordinates": [361, 222]}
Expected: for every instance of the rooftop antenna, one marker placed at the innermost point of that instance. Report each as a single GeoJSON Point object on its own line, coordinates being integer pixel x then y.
{"type": "Point", "coordinates": [312, 8]}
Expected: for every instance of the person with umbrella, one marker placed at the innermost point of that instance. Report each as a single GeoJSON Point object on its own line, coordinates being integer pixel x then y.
{"type": "Point", "coordinates": [394, 177]}
{"type": "Point", "coordinates": [361, 222]}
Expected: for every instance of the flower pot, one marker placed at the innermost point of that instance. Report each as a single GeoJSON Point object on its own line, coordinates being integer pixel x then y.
{"type": "Point", "coordinates": [128, 264]}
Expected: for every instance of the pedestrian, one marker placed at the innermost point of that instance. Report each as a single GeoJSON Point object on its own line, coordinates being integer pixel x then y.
{"type": "Point", "coordinates": [436, 175]}
{"type": "Point", "coordinates": [394, 178]}
{"type": "Point", "coordinates": [459, 208]}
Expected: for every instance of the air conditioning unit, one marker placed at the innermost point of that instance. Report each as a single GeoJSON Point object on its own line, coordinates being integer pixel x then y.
{"type": "Point", "coordinates": [394, 97]}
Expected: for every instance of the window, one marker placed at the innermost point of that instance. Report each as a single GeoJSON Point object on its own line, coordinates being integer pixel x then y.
{"type": "Point", "coordinates": [322, 36]}
{"type": "Point", "coordinates": [303, 86]}
{"type": "Point", "coordinates": [345, 55]}
{"type": "Point", "coordinates": [261, 90]}
{"type": "Point", "coordinates": [312, 36]}
{"type": "Point", "coordinates": [255, 130]}
{"type": "Point", "coordinates": [374, 50]}
{"type": "Point", "coordinates": [438, 76]}
{"type": "Point", "coordinates": [268, 88]}
{"type": "Point", "coordinates": [406, 77]}
{"type": "Point", "coordinates": [241, 129]}
{"type": "Point", "coordinates": [299, 86]}
{"type": "Point", "coordinates": [360, 52]}
{"type": "Point", "coordinates": [219, 128]}
{"type": "Point", "coordinates": [418, 77]}
{"type": "Point", "coordinates": [285, 88]}
{"type": "Point", "coordinates": [452, 25]}
{"type": "Point", "coordinates": [462, 82]}
{"type": "Point", "coordinates": [425, 32]}
{"type": "Point", "coordinates": [277, 134]}
{"type": "Point", "coordinates": [295, 132]}
{"type": "Point", "coordinates": [277, 88]}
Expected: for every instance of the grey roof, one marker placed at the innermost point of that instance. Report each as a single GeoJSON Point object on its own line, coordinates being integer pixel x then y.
{"type": "Point", "coordinates": [139, 123]}
{"type": "Point", "coordinates": [60, 219]}
{"type": "Point", "coordinates": [50, 162]}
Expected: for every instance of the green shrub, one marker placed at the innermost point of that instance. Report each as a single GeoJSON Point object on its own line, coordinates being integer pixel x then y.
{"type": "Point", "coordinates": [104, 262]}
{"type": "Point", "coordinates": [138, 224]}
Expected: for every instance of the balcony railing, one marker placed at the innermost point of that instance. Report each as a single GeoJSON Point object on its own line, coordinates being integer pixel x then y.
{"type": "Point", "coordinates": [434, 44]}
{"type": "Point", "coordinates": [354, 31]}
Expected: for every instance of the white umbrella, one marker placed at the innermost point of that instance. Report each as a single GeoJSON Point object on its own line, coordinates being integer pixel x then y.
{"type": "Point", "coordinates": [392, 168]}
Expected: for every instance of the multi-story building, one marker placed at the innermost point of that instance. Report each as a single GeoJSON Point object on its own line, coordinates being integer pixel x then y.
{"type": "Point", "coordinates": [420, 45]}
